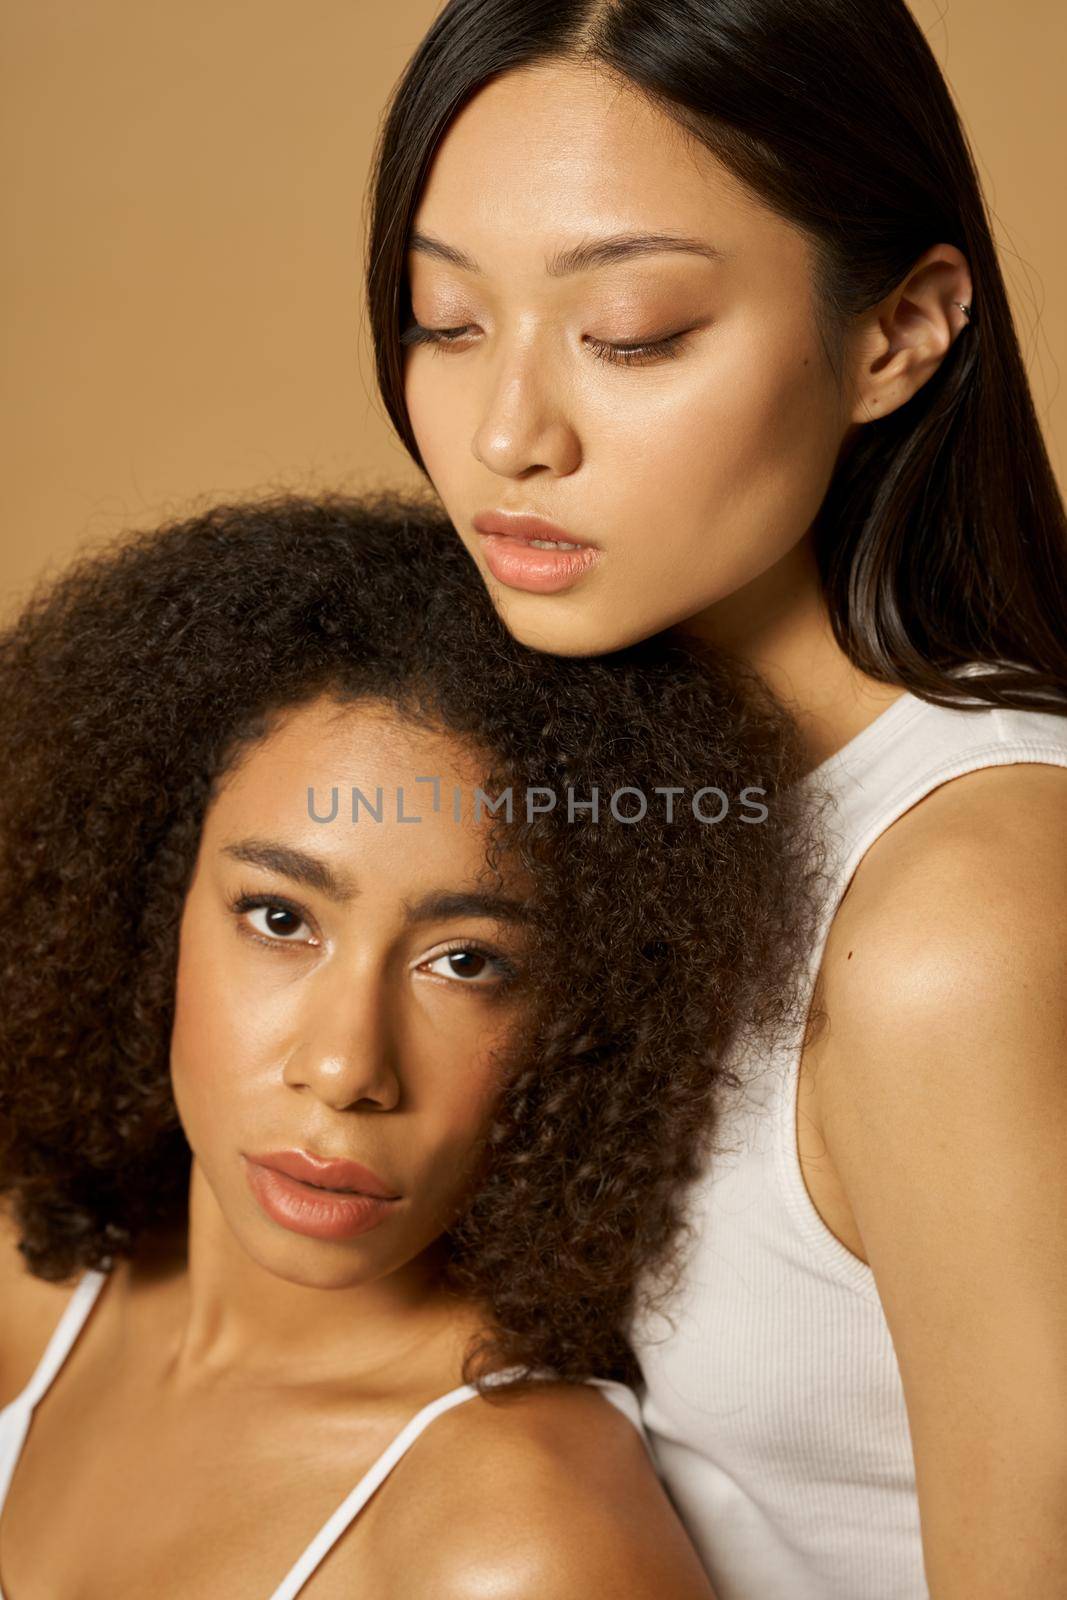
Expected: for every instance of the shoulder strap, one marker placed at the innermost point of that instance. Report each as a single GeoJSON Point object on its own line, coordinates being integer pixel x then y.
{"type": "Point", "coordinates": [15, 1416]}
{"type": "Point", "coordinates": [354, 1502]}
{"type": "Point", "coordinates": [625, 1400]}
{"type": "Point", "coordinates": [64, 1334]}
{"type": "Point", "coordinates": [331, 1531]}
{"type": "Point", "coordinates": [1044, 744]}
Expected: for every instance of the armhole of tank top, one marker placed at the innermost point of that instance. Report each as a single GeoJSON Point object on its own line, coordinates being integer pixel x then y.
{"type": "Point", "coordinates": [829, 1250]}
{"type": "Point", "coordinates": [831, 1254]}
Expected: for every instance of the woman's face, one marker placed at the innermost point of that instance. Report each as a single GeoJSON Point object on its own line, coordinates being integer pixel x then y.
{"type": "Point", "coordinates": [318, 1008]}
{"type": "Point", "coordinates": [693, 469]}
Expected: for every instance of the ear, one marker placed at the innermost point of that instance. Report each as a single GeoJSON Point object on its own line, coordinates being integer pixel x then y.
{"type": "Point", "coordinates": [900, 343]}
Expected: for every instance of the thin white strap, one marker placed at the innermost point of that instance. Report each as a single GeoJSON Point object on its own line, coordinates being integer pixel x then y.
{"type": "Point", "coordinates": [617, 1393]}
{"type": "Point", "coordinates": [15, 1416]}
{"type": "Point", "coordinates": [66, 1331]}
{"type": "Point", "coordinates": [14, 1422]}
{"type": "Point", "coordinates": [626, 1401]}
{"type": "Point", "coordinates": [332, 1530]}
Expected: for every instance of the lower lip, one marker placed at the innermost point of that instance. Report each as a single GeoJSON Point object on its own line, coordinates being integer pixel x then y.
{"type": "Point", "coordinates": [315, 1212]}
{"type": "Point", "coordinates": [521, 566]}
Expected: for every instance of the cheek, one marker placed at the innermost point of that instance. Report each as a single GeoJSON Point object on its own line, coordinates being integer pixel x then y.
{"type": "Point", "coordinates": [743, 459]}
{"type": "Point", "coordinates": [210, 1044]}
{"type": "Point", "coordinates": [436, 407]}
{"type": "Point", "coordinates": [754, 411]}
{"type": "Point", "coordinates": [444, 1141]}
{"type": "Point", "coordinates": [460, 1104]}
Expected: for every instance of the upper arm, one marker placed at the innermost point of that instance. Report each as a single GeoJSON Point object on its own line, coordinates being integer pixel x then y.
{"type": "Point", "coordinates": [559, 1505]}
{"type": "Point", "coordinates": [942, 1088]}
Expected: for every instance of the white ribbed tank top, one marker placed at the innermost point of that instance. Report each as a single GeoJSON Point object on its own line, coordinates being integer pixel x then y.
{"type": "Point", "coordinates": [775, 1409]}
{"type": "Point", "coordinates": [16, 1417]}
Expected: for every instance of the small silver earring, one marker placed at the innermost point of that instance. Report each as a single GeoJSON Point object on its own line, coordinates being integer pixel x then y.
{"type": "Point", "coordinates": [965, 309]}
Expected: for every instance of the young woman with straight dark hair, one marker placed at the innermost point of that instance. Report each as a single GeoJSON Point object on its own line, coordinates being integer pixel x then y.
{"type": "Point", "coordinates": [691, 313]}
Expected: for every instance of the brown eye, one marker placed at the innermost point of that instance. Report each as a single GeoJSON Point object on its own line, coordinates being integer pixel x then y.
{"type": "Point", "coordinates": [280, 921]}
{"type": "Point", "coordinates": [467, 963]}
{"type": "Point", "coordinates": [471, 966]}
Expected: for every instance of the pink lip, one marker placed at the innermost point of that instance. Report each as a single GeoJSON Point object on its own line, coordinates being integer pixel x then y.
{"type": "Point", "coordinates": [517, 564]}
{"type": "Point", "coordinates": [519, 525]}
{"type": "Point", "coordinates": [325, 1173]}
{"type": "Point", "coordinates": [316, 1213]}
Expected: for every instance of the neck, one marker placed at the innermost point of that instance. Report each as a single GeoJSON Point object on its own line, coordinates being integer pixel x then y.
{"type": "Point", "coordinates": [778, 624]}
{"type": "Point", "coordinates": [219, 1317]}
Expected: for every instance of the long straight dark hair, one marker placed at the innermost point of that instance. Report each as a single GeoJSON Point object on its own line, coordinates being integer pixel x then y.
{"type": "Point", "coordinates": [942, 538]}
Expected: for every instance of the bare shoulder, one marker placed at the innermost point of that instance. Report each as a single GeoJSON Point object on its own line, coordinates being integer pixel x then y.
{"type": "Point", "coordinates": [942, 1104]}
{"type": "Point", "coordinates": [547, 1495]}
{"type": "Point", "coordinates": [29, 1311]}
{"type": "Point", "coordinates": [1022, 804]}
{"type": "Point", "coordinates": [975, 871]}
{"type": "Point", "coordinates": [942, 983]}
{"type": "Point", "coordinates": [958, 910]}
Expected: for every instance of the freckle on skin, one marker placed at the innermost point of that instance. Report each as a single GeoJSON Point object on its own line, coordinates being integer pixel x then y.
{"type": "Point", "coordinates": [849, 956]}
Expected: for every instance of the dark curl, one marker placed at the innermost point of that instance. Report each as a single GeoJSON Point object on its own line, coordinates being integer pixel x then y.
{"type": "Point", "coordinates": [130, 687]}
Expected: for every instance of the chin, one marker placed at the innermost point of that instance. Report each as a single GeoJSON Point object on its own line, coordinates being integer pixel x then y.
{"type": "Point", "coordinates": [572, 636]}
{"type": "Point", "coordinates": [565, 625]}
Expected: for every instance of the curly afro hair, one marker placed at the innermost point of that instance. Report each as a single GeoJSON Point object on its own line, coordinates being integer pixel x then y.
{"type": "Point", "coordinates": [128, 688]}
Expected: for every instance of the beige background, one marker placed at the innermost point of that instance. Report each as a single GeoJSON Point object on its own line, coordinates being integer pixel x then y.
{"type": "Point", "coordinates": [184, 190]}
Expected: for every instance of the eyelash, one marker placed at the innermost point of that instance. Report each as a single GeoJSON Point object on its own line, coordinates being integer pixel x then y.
{"type": "Point", "coordinates": [245, 902]}
{"type": "Point", "coordinates": [621, 355]}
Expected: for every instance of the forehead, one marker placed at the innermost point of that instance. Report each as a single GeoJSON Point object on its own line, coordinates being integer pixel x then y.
{"type": "Point", "coordinates": [325, 746]}
{"type": "Point", "coordinates": [562, 149]}
{"type": "Point", "coordinates": [369, 737]}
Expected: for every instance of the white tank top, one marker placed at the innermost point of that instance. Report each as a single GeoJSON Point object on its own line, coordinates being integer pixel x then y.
{"type": "Point", "coordinates": [776, 1410]}
{"type": "Point", "coordinates": [16, 1417]}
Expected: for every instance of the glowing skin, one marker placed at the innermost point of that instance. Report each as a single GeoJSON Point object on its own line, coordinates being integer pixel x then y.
{"type": "Point", "coordinates": [253, 1354]}
{"type": "Point", "coordinates": [340, 1028]}
{"type": "Point", "coordinates": [697, 472]}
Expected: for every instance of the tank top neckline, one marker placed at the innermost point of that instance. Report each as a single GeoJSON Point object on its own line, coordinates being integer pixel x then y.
{"type": "Point", "coordinates": [16, 1416]}
{"type": "Point", "coordinates": [862, 744]}
{"type": "Point", "coordinates": [859, 749]}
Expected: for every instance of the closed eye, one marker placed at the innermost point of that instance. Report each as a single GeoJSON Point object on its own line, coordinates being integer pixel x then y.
{"type": "Point", "coordinates": [618, 354]}
{"type": "Point", "coordinates": [629, 355]}
{"type": "Point", "coordinates": [417, 334]}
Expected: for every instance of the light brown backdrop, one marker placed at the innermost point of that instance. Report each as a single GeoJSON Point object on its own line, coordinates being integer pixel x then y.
{"type": "Point", "coordinates": [180, 292]}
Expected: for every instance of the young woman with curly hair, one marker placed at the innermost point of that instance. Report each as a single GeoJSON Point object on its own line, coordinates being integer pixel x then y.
{"type": "Point", "coordinates": [272, 930]}
{"type": "Point", "coordinates": [707, 291]}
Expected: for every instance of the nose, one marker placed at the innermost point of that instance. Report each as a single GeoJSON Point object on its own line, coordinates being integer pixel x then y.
{"type": "Point", "coordinates": [346, 1050]}
{"type": "Point", "coordinates": [524, 427]}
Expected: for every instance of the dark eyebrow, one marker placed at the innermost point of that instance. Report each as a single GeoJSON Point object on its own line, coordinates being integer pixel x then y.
{"type": "Point", "coordinates": [441, 904]}
{"type": "Point", "coordinates": [436, 906]}
{"type": "Point", "coordinates": [594, 253]}
{"type": "Point", "coordinates": [292, 863]}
